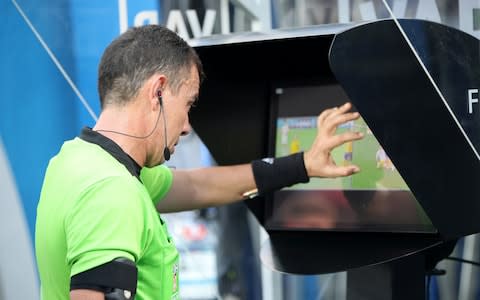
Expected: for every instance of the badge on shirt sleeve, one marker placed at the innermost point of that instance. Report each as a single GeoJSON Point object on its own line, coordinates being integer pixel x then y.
{"type": "Point", "coordinates": [175, 277]}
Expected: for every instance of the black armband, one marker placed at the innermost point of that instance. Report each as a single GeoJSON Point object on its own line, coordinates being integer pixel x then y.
{"type": "Point", "coordinates": [275, 173]}
{"type": "Point", "coordinates": [116, 279]}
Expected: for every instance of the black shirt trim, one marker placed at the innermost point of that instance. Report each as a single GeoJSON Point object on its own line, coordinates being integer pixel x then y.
{"type": "Point", "coordinates": [112, 148]}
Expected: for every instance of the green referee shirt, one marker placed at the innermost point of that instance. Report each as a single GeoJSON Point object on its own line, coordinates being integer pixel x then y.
{"type": "Point", "coordinates": [96, 205]}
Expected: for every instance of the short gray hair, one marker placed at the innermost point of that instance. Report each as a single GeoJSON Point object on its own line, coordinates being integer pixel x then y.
{"type": "Point", "coordinates": [138, 54]}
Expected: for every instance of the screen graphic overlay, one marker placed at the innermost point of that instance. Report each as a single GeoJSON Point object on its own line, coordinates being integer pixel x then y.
{"type": "Point", "coordinates": [377, 199]}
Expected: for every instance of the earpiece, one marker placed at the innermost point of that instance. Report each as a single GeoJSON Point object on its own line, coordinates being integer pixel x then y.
{"type": "Point", "coordinates": [159, 96]}
{"type": "Point", "coordinates": [166, 151]}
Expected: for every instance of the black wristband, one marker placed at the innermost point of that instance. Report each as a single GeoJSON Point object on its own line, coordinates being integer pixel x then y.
{"type": "Point", "coordinates": [275, 173]}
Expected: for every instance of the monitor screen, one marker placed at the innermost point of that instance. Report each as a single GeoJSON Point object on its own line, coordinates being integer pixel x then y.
{"type": "Point", "coordinates": [376, 199]}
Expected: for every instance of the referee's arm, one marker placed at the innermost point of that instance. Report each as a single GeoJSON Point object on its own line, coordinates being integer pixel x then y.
{"type": "Point", "coordinates": [86, 295]}
{"type": "Point", "coordinates": [205, 187]}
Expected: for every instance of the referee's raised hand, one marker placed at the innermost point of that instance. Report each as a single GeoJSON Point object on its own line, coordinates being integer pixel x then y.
{"type": "Point", "coordinates": [318, 159]}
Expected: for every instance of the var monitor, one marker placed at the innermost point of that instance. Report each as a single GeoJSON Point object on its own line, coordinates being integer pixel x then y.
{"type": "Point", "coordinates": [377, 199]}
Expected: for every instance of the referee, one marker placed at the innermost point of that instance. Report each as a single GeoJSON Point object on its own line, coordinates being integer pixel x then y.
{"type": "Point", "coordinates": [99, 234]}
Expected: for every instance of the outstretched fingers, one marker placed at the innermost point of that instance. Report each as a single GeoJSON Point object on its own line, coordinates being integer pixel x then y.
{"type": "Point", "coordinates": [340, 171]}
{"type": "Point", "coordinates": [333, 112]}
{"type": "Point", "coordinates": [343, 138]}
{"type": "Point", "coordinates": [318, 159]}
{"type": "Point", "coordinates": [334, 121]}
{"type": "Point", "coordinates": [331, 118]}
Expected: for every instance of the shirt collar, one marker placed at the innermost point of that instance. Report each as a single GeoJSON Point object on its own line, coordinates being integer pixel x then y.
{"type": "Point", "coordinates": [112, 148]}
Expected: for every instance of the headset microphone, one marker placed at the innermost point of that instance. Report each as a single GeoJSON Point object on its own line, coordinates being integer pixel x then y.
{"type": "Point", "coordinates": [166, 151]}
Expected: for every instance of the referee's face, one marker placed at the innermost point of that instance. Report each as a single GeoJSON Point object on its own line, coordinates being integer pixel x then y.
{"type": "Point", "coordinates": [176, 107]}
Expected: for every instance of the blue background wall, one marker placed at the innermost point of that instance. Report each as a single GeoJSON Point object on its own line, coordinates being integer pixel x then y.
{"type": "Point", "coordinates": [38, 108]}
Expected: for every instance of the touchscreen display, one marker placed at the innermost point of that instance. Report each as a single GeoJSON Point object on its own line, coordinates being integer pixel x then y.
{"type": "Point", "coordinates": [375, 199]}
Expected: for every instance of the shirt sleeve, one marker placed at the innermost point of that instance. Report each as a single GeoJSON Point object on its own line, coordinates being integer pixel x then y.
{"type": "Point", "coordinates": [105, 223]}
{"type": "Point", "coordinates": [157, 180]}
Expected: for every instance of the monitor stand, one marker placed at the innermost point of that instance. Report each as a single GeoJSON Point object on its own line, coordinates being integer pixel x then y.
{"type": "Point", "coordinates": [403, 278]}
{"type": "Point", "coordinates": [392, 267]}
{"type": "Point", "coordinates": [396, 280]}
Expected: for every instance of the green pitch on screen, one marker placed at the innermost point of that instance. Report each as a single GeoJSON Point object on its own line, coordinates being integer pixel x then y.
{"type": "Point", "coordinates": [296, 134]}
